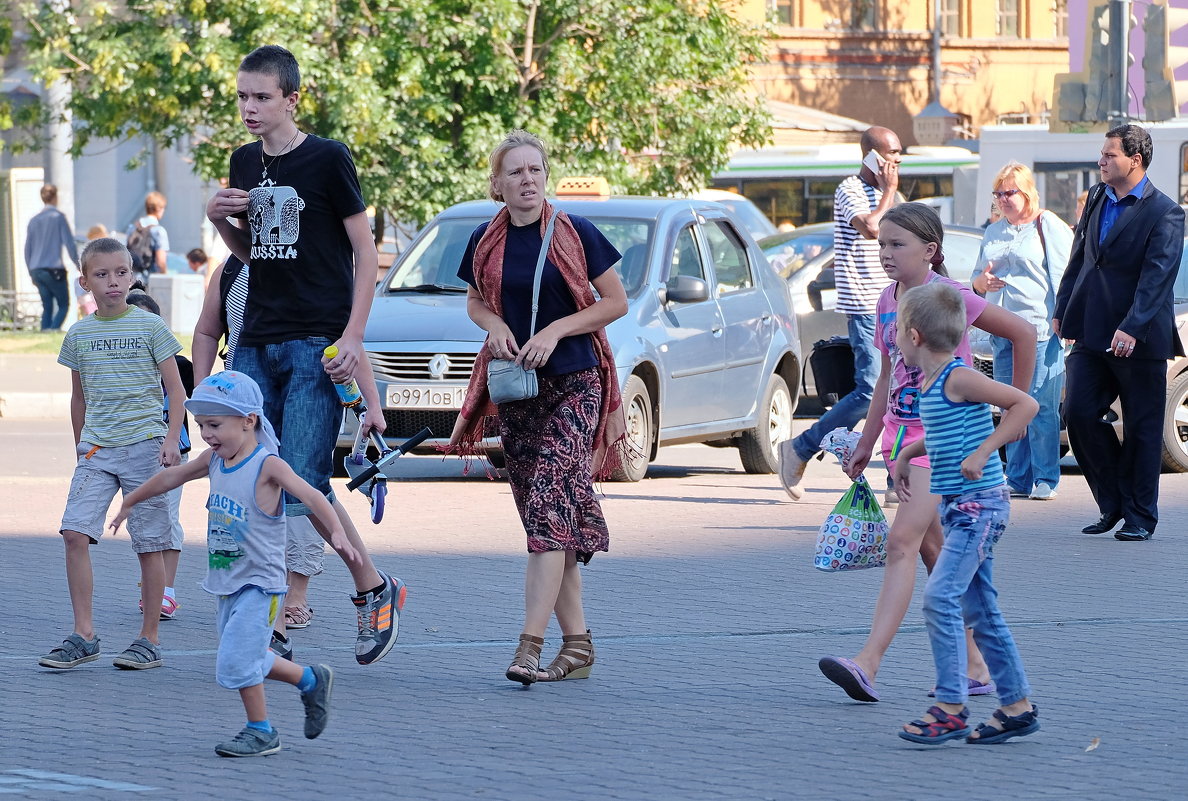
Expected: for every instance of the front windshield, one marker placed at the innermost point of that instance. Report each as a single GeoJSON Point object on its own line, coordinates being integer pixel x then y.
{"type": "Point", "coordinates": [432, 264]}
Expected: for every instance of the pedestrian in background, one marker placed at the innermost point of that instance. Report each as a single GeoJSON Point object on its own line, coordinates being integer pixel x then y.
{"type": "Point", "coordinates": [858, 206]}
{"type": "Point", "coordinates": [245, 541]}
{"type": "Point", "coordinates": [911, 241]}
{"type": "Point", "coordinates": [147, 239]}
{"type": "Point", "coordinates": [47, 236]}
{"type": "Point", "coordinates": [962, 444]}
{"type": "Point", "coordinates": [198, 262]}
{"type": "Point", "coordinates": [1116, 303]}
{"type": "Point", "coordinates": [86, 301]}
{"type": "Point", "coordinates": [554, 443]}
{"type": "Point", "coordinates": [1019, 268]}
{"type": "Point", "coordinates": [119, 358]}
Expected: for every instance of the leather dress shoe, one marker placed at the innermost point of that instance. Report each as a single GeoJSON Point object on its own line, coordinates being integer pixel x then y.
{"type": "Point", "coordinates": [1104, 524]}
{"type": "Point", "coordinates": [1132, 533]}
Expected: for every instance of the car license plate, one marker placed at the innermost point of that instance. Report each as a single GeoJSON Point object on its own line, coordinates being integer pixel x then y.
{"type": "Point", "coordinates": [425, 396]}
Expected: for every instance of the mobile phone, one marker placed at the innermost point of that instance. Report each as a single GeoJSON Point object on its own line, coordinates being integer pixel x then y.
{"type": "Point", "coordinates": [874, 161]}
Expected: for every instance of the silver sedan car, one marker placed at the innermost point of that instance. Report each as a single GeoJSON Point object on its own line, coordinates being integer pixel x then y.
{"type": "Point", "coordinates": [707, 352]}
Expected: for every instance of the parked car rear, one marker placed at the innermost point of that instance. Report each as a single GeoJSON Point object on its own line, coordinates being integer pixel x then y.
{"type": "Point", "coordinates": [804, 257]}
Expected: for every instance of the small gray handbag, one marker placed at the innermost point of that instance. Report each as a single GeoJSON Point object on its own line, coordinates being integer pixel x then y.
{"type": "Point", "coordinates": [506, 380]}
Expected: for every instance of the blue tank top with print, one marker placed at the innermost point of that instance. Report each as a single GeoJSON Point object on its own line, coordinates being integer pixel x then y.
{"type": "Point", "coordinates": [952, 431]}
{"type": "Point", "coordinates": [245, 544]}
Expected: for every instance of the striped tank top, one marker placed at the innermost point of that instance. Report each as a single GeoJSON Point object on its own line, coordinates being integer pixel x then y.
{"type": "Point", "coordinates": [952, 431]}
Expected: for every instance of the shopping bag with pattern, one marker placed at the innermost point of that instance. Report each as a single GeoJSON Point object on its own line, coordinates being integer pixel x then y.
{"type": "Point", "coordinates": [854, 536]}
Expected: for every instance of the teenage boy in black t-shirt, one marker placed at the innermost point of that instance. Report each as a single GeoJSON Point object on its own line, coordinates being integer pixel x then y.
{"type": "Point", "coordinates": [294, 211]}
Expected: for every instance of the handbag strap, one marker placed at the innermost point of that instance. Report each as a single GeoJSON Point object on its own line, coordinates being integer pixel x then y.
{"type": "Point", "coordinates": [540, 260]}
{"type": "Point", "coordinates": [1039, 227]}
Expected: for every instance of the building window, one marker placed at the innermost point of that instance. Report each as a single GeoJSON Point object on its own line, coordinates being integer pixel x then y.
{"type": "Point", "coordinates": [1006, 19]}
{"type": "Point", "coordinates": [1060, 18]}
{"type": "Point", "coordinates": [862, 15]}
{"type": "Point", "coordinates": [950, 17]}
{"type": "Point", "coordinates": [785, 11]}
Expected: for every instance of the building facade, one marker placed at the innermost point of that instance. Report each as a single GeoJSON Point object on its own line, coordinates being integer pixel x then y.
{"type": "Point", "coordinates": [872, 59]}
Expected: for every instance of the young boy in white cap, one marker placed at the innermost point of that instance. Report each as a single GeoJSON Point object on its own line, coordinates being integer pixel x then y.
{"type": "Point", "coordinates": [246, 551]}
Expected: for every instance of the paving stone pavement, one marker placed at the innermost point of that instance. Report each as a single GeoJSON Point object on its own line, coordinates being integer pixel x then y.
{"type": "Point", "coordinates": [708, 618]}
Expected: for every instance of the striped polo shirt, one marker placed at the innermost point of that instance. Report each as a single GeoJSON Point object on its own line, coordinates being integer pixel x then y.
{"type": "Point", "coordinates": [952, 431]}
{"type": "Point", "coordinates": [116, 359]}
{"type": "Point", "coordinates": [859, 277]}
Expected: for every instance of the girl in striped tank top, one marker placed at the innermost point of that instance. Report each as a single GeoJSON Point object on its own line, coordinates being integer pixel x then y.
{"type": "Point", "coordinates": [910, 239]}
{"type": "Point", "coordinates": [962, 445]}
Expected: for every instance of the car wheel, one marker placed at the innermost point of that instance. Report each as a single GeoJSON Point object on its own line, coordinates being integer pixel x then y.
{"type": "Point", "coordinates": [1175, 425]}
{"type": "Point", "coordinates": [757, 447]}
{"type": "Point", "coordinates": [638, 404]}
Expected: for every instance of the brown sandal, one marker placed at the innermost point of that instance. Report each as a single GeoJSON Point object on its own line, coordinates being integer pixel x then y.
{"type": "Point", "coordinates": [574, 660]}
{"type": "Point", "coordinates": [526, 663]}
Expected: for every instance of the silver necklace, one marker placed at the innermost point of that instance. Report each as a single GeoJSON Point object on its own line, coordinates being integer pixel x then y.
{"type": "Point", "coordinates": [285, 149]}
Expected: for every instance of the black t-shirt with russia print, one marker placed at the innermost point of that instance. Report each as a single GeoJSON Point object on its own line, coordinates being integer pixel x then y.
{"type": "Point", "coordinates": [302, 275]}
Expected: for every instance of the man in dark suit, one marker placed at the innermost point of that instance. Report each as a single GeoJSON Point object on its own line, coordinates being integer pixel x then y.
{"type": "Point", "coordinates": [1115, 301]}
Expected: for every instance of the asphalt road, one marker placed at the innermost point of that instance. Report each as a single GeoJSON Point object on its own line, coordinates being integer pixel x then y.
{"type": "Point", "coordinates": [708, 618]}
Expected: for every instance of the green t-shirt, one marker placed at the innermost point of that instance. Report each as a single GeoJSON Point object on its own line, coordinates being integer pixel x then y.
{"type": "Point", "coordinates": [117, 359]}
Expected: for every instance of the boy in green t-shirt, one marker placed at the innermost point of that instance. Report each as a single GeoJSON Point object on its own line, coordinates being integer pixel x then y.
{"type": "Point", "coordinates": [119, 357]}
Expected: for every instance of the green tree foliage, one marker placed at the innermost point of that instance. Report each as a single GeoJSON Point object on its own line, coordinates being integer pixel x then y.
{"type": "Point", "coordinates": [648, 93]}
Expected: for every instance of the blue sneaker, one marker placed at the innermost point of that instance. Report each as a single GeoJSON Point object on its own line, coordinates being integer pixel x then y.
{"type": "Point", "coordinates": [317, 701]}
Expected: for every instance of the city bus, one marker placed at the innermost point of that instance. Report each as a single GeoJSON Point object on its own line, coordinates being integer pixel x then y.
{"type": "Point", "coordinates": [796, 184]}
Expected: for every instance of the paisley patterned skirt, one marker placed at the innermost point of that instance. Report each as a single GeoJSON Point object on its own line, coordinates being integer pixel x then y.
{"type": "Point", "coordinates": [548, 445]}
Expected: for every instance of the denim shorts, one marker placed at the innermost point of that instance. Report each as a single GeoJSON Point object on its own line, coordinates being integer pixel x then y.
{"type": "Point", "coordinates": [99, 474]}
{"type": "Point", "coordinates": [302, 405]}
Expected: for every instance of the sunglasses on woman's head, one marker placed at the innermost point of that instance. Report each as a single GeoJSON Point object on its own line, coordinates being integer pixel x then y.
{"type": "Point", "coordinates": [1005, 193]}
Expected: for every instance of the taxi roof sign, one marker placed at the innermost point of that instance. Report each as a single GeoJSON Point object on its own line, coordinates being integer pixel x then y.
{"type": "Point", "coordinates": [584, 186]}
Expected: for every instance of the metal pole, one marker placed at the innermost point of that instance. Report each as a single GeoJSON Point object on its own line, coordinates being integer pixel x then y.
{"type": "Point", "coordinates": [936, 50]}
{"type": "Point", "coordinates": [1120, 38]}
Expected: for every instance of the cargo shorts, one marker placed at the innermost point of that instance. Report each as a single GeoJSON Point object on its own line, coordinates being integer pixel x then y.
{"type": "Point", "coordinates": [99, 473]}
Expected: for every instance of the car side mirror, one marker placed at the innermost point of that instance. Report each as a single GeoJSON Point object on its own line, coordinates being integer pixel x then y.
{"type": "Point", "coordinates": [685, 289]}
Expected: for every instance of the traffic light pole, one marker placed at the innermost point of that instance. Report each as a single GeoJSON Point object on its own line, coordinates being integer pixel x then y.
{"type": "Point", "coordinates": [1119, 44]}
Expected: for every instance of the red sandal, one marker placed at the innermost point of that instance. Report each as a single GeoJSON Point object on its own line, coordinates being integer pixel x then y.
{"type": "Point", "coordinates": [946, 727]}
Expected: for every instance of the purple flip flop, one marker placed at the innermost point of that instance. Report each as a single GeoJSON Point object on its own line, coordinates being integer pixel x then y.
{"type": "Point", "coordinates": [847, 675]}
{"type": "Point", "coordinates": [975, 688]}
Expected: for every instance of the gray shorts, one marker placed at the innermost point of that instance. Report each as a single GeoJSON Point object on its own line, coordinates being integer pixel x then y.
{"type": "Point", "coordinates": [176, 533]}
{"type": "Point", "coordinates": [305, 550]}
{"type": "Point", "coordinates": [245, 628]}
{"type": "Point", "coordinates": [100, 472]}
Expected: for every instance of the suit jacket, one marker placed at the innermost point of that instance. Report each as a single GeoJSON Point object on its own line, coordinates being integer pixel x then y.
{"type": "Point", "coordinates": [1125, 282]}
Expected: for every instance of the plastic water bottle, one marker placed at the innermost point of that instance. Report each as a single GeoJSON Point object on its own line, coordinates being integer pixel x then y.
{"type": "Point", "coordinates": [348, 392]}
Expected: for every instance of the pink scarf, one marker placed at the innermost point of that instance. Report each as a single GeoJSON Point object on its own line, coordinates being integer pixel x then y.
{"type": "Point", "coordinates": [567, 253]}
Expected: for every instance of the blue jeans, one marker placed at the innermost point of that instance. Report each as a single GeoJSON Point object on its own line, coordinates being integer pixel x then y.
{"type": "Point", "coordinates": [1036, 457]}
{"type": "Point", "coordinates": [55, 294]}
{"type": "Point", "coordinates": [301, 404]}
{"type": "Point", "coordinates": [960, 593]}
{"type": "Point", "coordinates": [853, 407]}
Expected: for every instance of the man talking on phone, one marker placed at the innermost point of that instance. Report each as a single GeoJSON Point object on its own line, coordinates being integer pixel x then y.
{"type": "Point", "coordinates": [858, 205]}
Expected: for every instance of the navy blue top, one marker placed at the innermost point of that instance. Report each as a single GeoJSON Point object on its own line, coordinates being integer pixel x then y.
{"type": "Point", "coordinates": [519, 268]}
